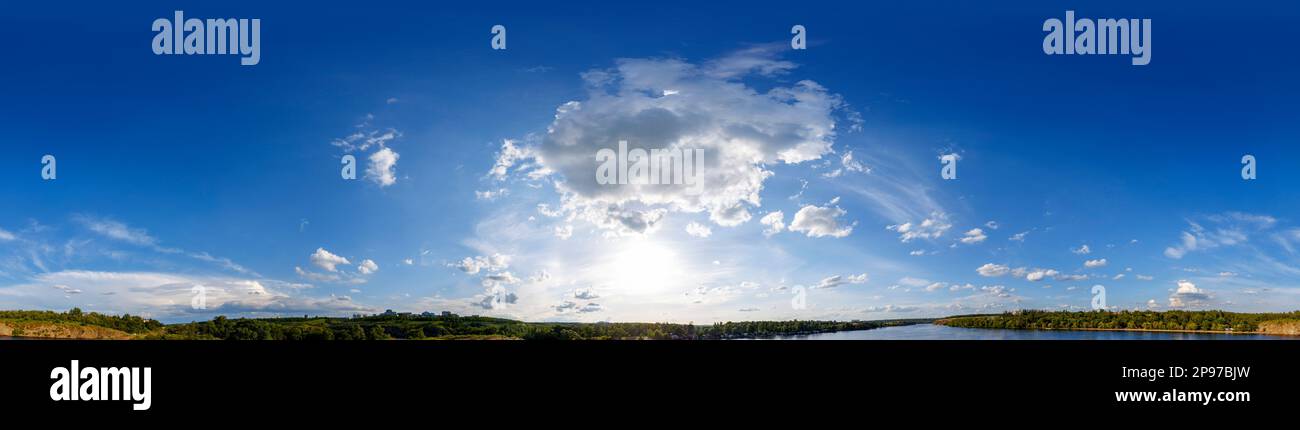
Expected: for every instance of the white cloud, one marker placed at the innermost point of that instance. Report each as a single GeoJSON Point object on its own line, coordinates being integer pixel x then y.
{"type": "Point", "coordinates": [930, 228]}
{"type": "Point", "coordinates": [367, 267]}
{"type": "Point", "coordinates": [1082, 250]}
{"type": "Point", "coordinates": [494, 279]}
{"type": "Point", "coordinates": [67, 290]}
{"type": "Point", "coordinates": [364, 140]}
{"type": "Point", "coordinates": [491, 195]}
{"type": "Point", "coordinates": [316, 277]}
{"type": "Point", "coordinates": [716, 294]}
{"type": "Point", "coordinates": [1228, 229]}
{"type": "Point", "coordinates": [565, 307]}
{"type": "Point", "coordinates": [327, 260]}
{"type": "Point", "coordinates": [1101, 262]}
{"type": "Point", "coordinates": [1187, 295]}
{"type": "Point", "coordinates": [540, 276]}
{"type": "Point", "coordinates": [1018, 237]}
{"type": "Point", "coordinates": [564, 231]}
{"type": "Point", "coordinates": [913, 282]}
{"type": "Point", "coordinates": [473, 265]}
{"type": "Point", "coordinates": [698, 230]}
{"type": "Point", "coordinates": [137, 236]}
{"type": "Point", "coordinates": [6, 236]}
{"type": "Point", "coordinates": [891, 308]}
{"type": "Point", "coordinates": [993, 270]}
{"type": "Point", "coordinates": [510, 154]}
{"type": "Point", "coordinates": [1029, 274]}
{"type": "Point", "coordinates": [997, 291]}
{"type": "Point", "coordinates": [383, 161]}
{"type": "Point", "coordinates": [974, 236]}
{"type": "Point", "coordinates": [773, 223]}
{"type": "Point", "coordinates": [117, 230]}
{"type": "Point", "coordinates": [820, 221]}
{"type": "Point", "coordinates": [1288, 239]}
{"type": "Point", "coordinates": [838, 280]}
{"type": "Point", "coordinates": [382, 167]}
{"type": "Point", "coordinates": [496, 297]}
{"type": "Point", "coordinates": [847, 165]}
{"type": "Point", "coordinates": [170, 295]}
{"type": "Point", "coordinates": [1189, 243]}
{"type": "Point", "coordinates": [739, 128]}
{"type": "Point", "coordinates": [502, 278]}
{"type": "Point", "coordinates": [1039, 274]}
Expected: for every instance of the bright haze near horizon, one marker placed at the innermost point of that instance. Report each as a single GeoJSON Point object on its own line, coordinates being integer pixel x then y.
{"type": "Point", "coordinates": [822, 176]}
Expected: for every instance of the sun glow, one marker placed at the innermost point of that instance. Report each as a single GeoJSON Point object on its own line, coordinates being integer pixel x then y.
{"type": "Point", "coordinates": [642, 266]}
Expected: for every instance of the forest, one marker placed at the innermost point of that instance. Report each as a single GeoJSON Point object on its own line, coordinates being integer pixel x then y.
{"type": "Point", "coordinates": [432, 326]}
{"type": "Point", "coordinates": [1123, 320]}
{"type": "Point", "coordinates": [381, 327]}
{"type": "Point", "coordinates": [452, 327]}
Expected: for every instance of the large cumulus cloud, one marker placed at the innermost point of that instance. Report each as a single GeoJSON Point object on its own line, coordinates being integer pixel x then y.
{"type": "Point", "coordinates": [738, 109]}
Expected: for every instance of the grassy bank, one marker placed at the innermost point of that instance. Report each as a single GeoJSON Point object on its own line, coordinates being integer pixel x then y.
{"type": "Point", "coordinates": [74, 324]}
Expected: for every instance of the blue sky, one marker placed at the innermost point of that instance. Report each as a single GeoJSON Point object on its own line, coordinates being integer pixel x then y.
{"type": "Point", "coordinates": [177, 171]}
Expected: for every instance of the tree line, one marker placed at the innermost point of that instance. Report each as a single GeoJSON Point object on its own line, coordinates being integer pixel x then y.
{"type": "Point", "coordinates": [125, 322]}
{"type": "Point", "coordinates": [1126, 320]}
{"type": "Point", "coordinates": [422, 327]}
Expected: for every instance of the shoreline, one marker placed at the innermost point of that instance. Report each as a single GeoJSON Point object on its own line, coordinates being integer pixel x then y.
{"type": "Point", "coordinates": [1149, 330]}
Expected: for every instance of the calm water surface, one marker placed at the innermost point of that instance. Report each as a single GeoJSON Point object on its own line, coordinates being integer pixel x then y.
{"type": "Point", "coordinates": [939, 332]}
